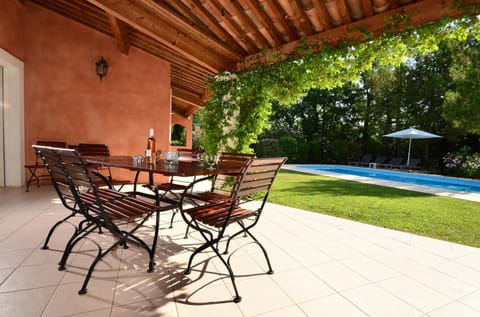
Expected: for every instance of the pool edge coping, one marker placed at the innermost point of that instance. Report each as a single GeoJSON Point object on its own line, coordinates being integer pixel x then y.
{"type": "Point", "coordinates": [372, 181]}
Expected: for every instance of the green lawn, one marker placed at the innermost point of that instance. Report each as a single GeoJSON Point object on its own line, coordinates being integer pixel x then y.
{"type": "Point", "coordinates": [438, 217]}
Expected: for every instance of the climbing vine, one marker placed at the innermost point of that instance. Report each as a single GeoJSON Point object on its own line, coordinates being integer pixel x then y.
{"type": "Point", "coordinates": [240, 103]}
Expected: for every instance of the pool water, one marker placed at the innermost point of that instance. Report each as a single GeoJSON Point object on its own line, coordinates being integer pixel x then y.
{"type": "Point", "coordinates": [449, 183]}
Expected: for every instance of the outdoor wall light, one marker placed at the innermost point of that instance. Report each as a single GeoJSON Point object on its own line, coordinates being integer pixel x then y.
{"type": "Point", "coordinates": [102, 68]}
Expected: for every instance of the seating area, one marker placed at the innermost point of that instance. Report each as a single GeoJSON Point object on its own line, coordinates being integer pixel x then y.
{"type": "Point", "coordinates": [103, 175]}
{"type": "Point", "coordinates": [380, 161]}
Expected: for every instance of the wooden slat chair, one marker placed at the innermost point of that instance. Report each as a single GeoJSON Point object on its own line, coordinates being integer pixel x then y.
{"type": "Point", "coordinates": [212, 220]}
{"type": "Point", "coordinates": [103, 173]}
{"type": "Point", "coordinates": [38, 170]}
{"type": "Point", "coordinates": [119, 214]}
{"type": "Point", "coordinates": [65, 194]}
{"type": "Point", "coordinates": [176, 185]}
{"type": "Point", "coordinates": [222, 186]}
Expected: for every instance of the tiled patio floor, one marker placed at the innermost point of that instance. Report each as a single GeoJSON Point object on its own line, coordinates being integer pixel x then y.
{"type": "Point", "coordinates": [324, 266]}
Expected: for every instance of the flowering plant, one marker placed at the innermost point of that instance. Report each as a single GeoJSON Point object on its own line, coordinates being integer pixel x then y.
{"type": "Point", "coordinates": [462, 163]}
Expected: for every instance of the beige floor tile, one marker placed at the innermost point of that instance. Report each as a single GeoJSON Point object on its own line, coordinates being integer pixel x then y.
{"type": "Point", "coordinates": [414, 293]}
{"type": "Point", "coordinates": [442, 283]}
{"type": "Point", "coordinates": [209, 301]}
{"type": "Point", "coordinates": [26, 303]}
{"type": "Point", "coordinates": [292, 311]}
{"type": "Point", "coordinates": [455, 309]}
{"type": "Point", "coordinates": [338, 276]}
{"type": "Point", "coordinates": [369, 268]}
{"type": "Point", "coordinates": [461, 272]}
{"type": "Point", "coordinates": [66, 300]}
{"type": "Point", "coordinates": [32, 277]}
{"type": "Point", "coordinates": [377, 302]}
{"type": "Point", "coordinates": [331, 306]}
{"type": "Point", "coordinates": [301, 285]}
{"type": "Point", "coordinates": [4, 273]}
{"type": "Point", "coordinates": [472, 300]}
{"type": "Point", "coordinates": [151, 308]}
{"type": "Point", "coordinates": [96, 313]}
{"type": "Point", "coordinates": [14, 258]}
{"type": "Point", "coordinates": [261, 295]}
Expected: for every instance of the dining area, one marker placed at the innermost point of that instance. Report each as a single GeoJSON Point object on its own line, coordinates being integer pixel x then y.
{"type": "Point", "coordinates": [129, 218]}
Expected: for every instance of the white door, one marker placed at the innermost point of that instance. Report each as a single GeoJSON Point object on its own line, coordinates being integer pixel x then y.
{"type": "Point", "coordinates": [2, 132]}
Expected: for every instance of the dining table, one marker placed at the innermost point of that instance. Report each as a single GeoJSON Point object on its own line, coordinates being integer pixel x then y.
{"type": "Point", "coordinates": [181, 168]}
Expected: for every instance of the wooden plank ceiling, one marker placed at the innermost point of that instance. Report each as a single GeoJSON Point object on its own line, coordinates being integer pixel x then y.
{"type": "Point", "coordinates": [203, 37]}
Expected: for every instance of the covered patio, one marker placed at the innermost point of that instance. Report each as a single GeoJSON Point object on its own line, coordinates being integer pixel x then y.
{"type": "Point", "coordinates": [160, 54]}
{"type": "Point", "coordinates": [324, 266]}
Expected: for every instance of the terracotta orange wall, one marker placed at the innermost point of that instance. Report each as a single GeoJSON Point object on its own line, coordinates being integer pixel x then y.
{"type": "Point", "coordinates": [65, 100]}
{"type": "Point", "coordinates": [12, 27]}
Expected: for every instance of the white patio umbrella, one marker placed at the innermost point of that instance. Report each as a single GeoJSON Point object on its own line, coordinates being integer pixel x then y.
{"type": "Point", "coordinates": [411, 133]}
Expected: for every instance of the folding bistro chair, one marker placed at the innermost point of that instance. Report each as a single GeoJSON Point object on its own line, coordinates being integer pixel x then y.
{"type": "Point", "coordinates": [211, 220]}
{"type": "Point", "coordinates": [222, 184]}
{"type": "Point", "coordinates": [37, 169]}
{"type": "Point", "coordinates": [104, 174]}
{"type": "Point", "coordinates": [118, 213]}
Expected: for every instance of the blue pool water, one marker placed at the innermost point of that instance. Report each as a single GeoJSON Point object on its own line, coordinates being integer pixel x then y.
{"type": "Point", "coordinates": [450, 183]}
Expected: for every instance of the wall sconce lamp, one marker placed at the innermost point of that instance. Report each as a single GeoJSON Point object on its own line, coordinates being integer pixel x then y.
{"type": "Point", "coordinates": [102, 68]}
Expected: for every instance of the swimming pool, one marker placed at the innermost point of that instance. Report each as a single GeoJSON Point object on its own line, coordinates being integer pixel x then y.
{"type": "Point", "coordinates": [449, 183]}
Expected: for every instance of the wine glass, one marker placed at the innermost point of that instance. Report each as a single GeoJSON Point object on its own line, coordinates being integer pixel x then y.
{"type": "Point", "coordinates": [211, 160]}
{"type": "Point", "coordinates": [170, 157]}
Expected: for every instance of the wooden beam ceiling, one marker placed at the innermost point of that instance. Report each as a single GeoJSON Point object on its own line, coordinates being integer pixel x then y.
{"type": "Point", "coordinates": [200, 38]}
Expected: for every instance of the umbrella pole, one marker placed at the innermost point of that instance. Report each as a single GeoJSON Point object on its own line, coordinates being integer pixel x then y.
{"type": "Point", "coordinates": [409, 146]}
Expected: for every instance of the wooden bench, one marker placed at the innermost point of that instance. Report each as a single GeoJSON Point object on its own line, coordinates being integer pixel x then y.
{"type": "Point", "coordinates": [38, 170]}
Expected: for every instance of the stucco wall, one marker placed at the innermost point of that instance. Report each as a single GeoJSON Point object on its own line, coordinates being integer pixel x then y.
{"type": "Point", "coordinates": [12, 27]}
{"type": "Point", "coordinates": [66, 101]}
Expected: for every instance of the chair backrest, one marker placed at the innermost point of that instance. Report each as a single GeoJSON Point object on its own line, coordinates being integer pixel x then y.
{"type": "Point", "coordinates": [59, 144]}
{"type": "Point", "coordinates": [60, 182]}
{"type": "Point", "coordinates": [396, 161]}
{"type": "Point", "coordinates": [225, 184]}
{"type": "Point", "coordinates": [366, 158]}
{"type": "Point", "coordinates": [257, 178]}
{"type": "Point", "coordinates": [92, 149]}
{"type": "Point", "coordinates": [413, 162]}
{"type": "Point", "coordinates": [188, 153]}
{"type": "Point", "coordinates": [380, 159]}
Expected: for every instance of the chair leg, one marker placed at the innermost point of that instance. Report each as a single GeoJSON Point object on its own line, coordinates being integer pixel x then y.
{"type": "Point", "coordinates": [100, 255]}
{"type": "Point", "coordinates": [76, 237]}
{"type": "Point", "coordinates": [211, 243]}
{"type": "Point", "coordinates": [52, 229]}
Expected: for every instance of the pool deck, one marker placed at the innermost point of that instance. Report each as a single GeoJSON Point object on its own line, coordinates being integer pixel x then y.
{"type": "Point", "coordinates": [380, 182]}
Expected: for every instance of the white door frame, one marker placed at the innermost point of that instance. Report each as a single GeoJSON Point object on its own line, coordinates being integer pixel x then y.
{"type": "Point", "coordinates": [13, 77]}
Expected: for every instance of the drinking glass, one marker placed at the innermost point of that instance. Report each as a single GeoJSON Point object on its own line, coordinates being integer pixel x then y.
{"type": "Point", "coordinates": [211, 160]}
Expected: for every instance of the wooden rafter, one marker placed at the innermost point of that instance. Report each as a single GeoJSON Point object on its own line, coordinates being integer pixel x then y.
{"type": "Point", "coordinates": [119, 30]}
{"type": "Point", "coordinates": [420, 13]}
{"type": "Point", "coordinates": [172, 32]}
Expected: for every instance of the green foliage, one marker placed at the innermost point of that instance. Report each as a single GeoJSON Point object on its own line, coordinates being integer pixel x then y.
{"type": "Point", "coordinates": [462, 102]}
{"type": "Point", "coordinates": [268, 148]}
{"type": "Point", "coordinates": [288, 145]}
{"type": "Point", "coordinates": [240, 104]}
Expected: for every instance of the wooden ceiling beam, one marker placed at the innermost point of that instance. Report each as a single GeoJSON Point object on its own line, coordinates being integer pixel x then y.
{"type": "Point", "coordinates": [209, 19]}
{"type": "Point", "coordinates": [169, 30]}
{"type": "Point", "coordinates": [243, 20]}
{"type": "Point", "coordinates": [120, 33]}
{"type": "Point", "coordinates": [263, 20]}
{"type": "Point", "coordinates": [275, 13]}
{"type": "Point", "coordinates": [419, 12]}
